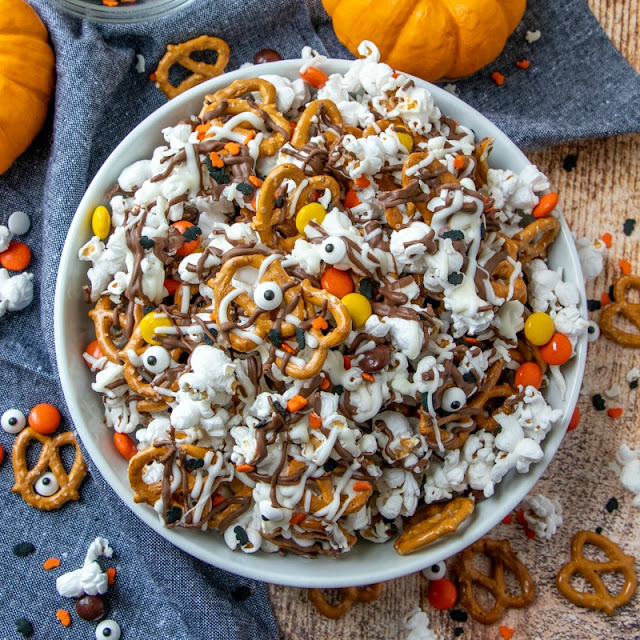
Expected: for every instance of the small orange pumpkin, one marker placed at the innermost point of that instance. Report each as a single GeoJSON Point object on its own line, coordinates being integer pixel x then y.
{"type": "Point", "coordinates": [26, 78]}
{"type": "Point", "coordinates": [431, 39]}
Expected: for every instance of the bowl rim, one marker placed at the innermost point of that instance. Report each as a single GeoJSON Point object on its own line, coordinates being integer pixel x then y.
{"type": "Point", "coordinates": [253, 565]}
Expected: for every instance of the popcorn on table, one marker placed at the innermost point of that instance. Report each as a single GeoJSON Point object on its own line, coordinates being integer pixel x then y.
{"type": "Point", "coordinates": [278, 461]}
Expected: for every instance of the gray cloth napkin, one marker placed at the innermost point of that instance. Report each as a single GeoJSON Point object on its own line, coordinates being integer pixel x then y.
{"type": "Point", "coordinates": [578, 86]}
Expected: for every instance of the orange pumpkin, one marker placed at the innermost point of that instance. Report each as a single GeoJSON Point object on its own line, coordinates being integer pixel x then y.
{"type": "Point", "coordinates": [26, 78]}
{"type": "Point", "coordinates": [432, 39]}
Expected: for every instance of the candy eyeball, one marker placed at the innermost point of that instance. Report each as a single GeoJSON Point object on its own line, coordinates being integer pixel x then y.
{"type": "Point", "coordinates": [268, 296]}
{"type": "Point", "coordinates": [13, 421]}
{"type": "Point", "coordinates": [156, 359]}
{"type": "Point", "coordinates": [435, 572]}
{"type": "Point", "coordinates": [453, 399]}
{"type": "Point", "coordinates": [333, 250]}
{"type": "Point", "coordinates": [46, 485]}
{"type": "Point", "coordinates": [593, 331]}
{"type": "Point", "coordinates": [108, 630]}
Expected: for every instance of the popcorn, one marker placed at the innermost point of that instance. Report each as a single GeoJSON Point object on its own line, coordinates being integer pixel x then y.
{"type": "Point", "coordinates": [629, 461]}
{"type": "Point", "coordinates": [544, 515]}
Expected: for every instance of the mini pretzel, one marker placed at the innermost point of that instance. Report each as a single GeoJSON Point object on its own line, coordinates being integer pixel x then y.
{"type": "Point", "coordinates": [630, 310]}
{"type": "Point", "coordinates": [266, 219]}
{"type": "Point", "coordinates": [534, 240]}
{"type": "Point", "coordinates": [223, 286]}
{"type": "Point", "coordinates": [368, 593]}
{"type": "Point", "coordinates": [327, 491]}
{"type": "Point", "coordinates": [317, 298]}
{"type": "Point", "coordinates": [502, 557]}
{"type": "Point", "coordinates": [438, 520]}
{"type": "Point", "coordinates": [103, 319]}
{"type": "Point", "coordinates": [590, 570]}
{"type": "Point", "coordinates": [481, 154]}
{"type": "Point", "coordinates": [310, 119]}
{"type": "Point", "coordinates": [238, 89]}
{"type": "Point", "coordinates": [49, 459]}
{"type": "Point", "coordinates": [503, 273]}
{"type": "Point", "coordinates": [200, 71]}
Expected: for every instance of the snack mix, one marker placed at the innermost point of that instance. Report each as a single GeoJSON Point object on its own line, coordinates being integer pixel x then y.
{"type": "Point", "coordinates": [320, 315]}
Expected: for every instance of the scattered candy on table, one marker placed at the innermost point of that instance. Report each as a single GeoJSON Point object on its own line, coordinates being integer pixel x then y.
{"type": "Point", "coordinates": [13, 421]}
{"type": "Point", "coordinates": [16, 257]}
{"type": "Point", "coordinates": [19, 223]}
{"type": "Point", "coordinates": [442, 593]}
{"type": "Point", "coordinates": [44, 418]}
{"type": "Point", "coordinates": [266, 55]}
{"type": "Point", "coordinates": [108, 630]}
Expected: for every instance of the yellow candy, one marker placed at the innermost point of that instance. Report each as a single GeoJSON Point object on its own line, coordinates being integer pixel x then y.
{"type": "Point", "coordinates": [101, 222]}
{"type": "Point", "coordinates": [311, 211]}
{"type": "Point", "coordinates": [539, 328]}
{"type": "Point", "coordinates": [150, 323]}
{"type": "Point", "coordinates": [406, 141]}
{"type": "Point", "coordinates": [358, 306]}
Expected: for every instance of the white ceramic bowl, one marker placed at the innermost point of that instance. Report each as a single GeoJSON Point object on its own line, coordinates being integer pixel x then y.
{"type": "Point", "coordinates": [367, 562]}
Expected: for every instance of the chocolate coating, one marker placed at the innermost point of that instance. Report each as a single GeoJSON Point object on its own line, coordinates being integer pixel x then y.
{"type": "Point", "coordinates": [266, 55]}
{"type": "Point", "coordinates": [90, 608]}
{"type": "Point", "coordinates": [375, 359]}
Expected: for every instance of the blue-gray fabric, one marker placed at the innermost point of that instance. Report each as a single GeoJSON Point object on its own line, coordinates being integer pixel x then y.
{"type": "Point", "coordinates": [578, 86]}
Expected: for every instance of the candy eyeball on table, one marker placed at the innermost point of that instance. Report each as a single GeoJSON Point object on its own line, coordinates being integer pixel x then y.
{"type": "Point", "coordinates": [108, 630]}
{"type": "Point", "coordinates": [13, 421]}
{"type": "Point", "coordinates": [19, 223]}
{"type": "Point", "coordinates": [308, 329]}
{"type": "Point", "coordinates": [46, 485]}
{"type": "Point", "coordinates": [435, 571]}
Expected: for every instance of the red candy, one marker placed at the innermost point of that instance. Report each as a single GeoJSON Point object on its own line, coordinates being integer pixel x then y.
{"type": "Point", "coordinates": [575, 420]}
{"type": "Point", "coordinates": [442, 594]}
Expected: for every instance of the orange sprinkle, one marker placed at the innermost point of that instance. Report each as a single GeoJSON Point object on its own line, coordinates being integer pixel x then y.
{"type": "Point", "coordinates": [325, 384]}
{"type": "Point", "coordinates": [51, 563]}
{"type": "Point", "coordinates": [212, 317]}
{"type": "Point", "coordinates": [251, 136]}
{"type": "Point", "coordinates": [255, 181]}
{"type": "Point", "coordinates": [153, 77]}
{"type": "Point", "coordinates": [110, 3]}
{"type": "Point", "coordinates": [361, 485]}
{"type": "Point", "coordinates": [523, 64]}
{"type": "Point", "coordinates": [64, 617]}
{"type": "Point", "coordinates": [605, 299]}
{"type": "Point", "coordinates": [362, 182]}
{"type": "Point", "coordinates": [498, 78]}
{"type": "Point", "coordinates": [615, 413]}
{"type": "Point", "coordinates": [471, 340]}
{"type": "Point", "coordinates": [315, 77]}
{"type": "Point", "coordinates": [217, 499]}
{"type": "Point", "coordinates": [346, 362]}
{"type": "Point", "coordinates": [111, 575]}
{"type": "Point", "coordinates": [606, 238]}
{"type": "Point", "coordinates": [319, 323]}
{"type": "Point", "coordinates": [216, 160]}
{"type": "Point", "coordinates": [296, 403]}
{"type": "Point", "coordinates": [625, 265]}
{"type": "Point", "coordinates": [315, 420]}
{"type": "Point", "coordinates": [202, 129]}
{"type": "Point", "coordinates": [245, 468]}
{"type": "Point", "coordinates": [233, 148]}
{"type": "Point", "coordinates": [458, 163]}
{"type": "Point", "coordinates": [508, 519]}
{"type": "Point", "coordinates": [395, 74]}
{"type": "Point", "coordinates": [292, 126]}
{"type": "Point", "coordinates": [297, 518]}
{"type": "Point", "coordinates": [506, 632]}
{"type": "Point", "coordinates": [368, 376]}
{"type": "Point", "coordinates": [351, 199]}
{"type": "Point", "coordinates": [287, 347]}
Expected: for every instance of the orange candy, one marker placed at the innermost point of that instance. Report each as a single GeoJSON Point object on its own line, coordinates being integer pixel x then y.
{"type": "Point", "coordinates": [315, 420]}
{"type": "Point", "coordinates": [17, 257]}
{"type": "Point", "coordinates": [575, 420]}
{"type": "Point", "coordinates": [625, 266]}
{"type": "Point", "coordinates": [337, 282]}
{"type": "Point", "coordinates": [607, 238]}
{"type": "Point", "coordinates": [442, 594]}
{"type": "Point", "coordinates": [498, 78]}
{"type": "Point", "coordinates": [188, 247]}
{"type": "Point", "coordinates": [245, 468]}
{"type": "Point", "coordinates": [44, 418]}
{"type": "Point", "coordinates": [615, 413]}
{"type": "Point", "coordinates": [361, 485]}
{"type": "Point", "coordinates": [351, 199]}
{"type": "Point", "coordinates": [94, 350]}
{"type": "Point", "coordinates": [64, 617]}
{"type": "Point", "coordinates": [111, 575]}
{"type": "Point", "coordinates": [125, 445]}
{"type": "Point", "coordinates": [297, 518]}
{"type": "Point", "coordinates": [315, 77]}
{"type": "Point", "coordinates": [362, 182]}
{"type": "Point", "coordinates": [558, 350]}
{"type": "Point", "coordinates": [506, 632]}
{"type": "Point", "coordinates": [529, 374]}
{"type": "Point", "coordinates": [50, 563]}
{"type": "Point", "coordinates": [545, 206]}
{"type": "Point", "coordinates": [296, 403]}
{"type": "Point", "coordinates": [458, 163]}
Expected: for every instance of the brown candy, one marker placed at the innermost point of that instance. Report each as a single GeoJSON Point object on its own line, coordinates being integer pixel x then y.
{"type": "Point", "coordinates": [375, 359]}
{"type": "Point", "coordinates": [90, 608]}
{"type": "Point", "coordinates": [266, 55]}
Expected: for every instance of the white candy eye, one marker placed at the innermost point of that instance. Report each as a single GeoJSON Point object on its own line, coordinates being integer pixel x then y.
{"type": "Point", "coordinates": [453, 399]}
{"type": "Point", "coordinates": [435, 571]}
{"type": "Point", "coordinates": [46, 485]}
{"type": "Point", "coordinates": [268, 296]}
{"type": "Point", "coordinates": [156, 359]}
{"type": "Point", "coordinates": [13, 421]}
{"type": "Point", "coordinates": [333, 250]}
{"type": "Point", "coordinates": [108, 630]}
{"type": "Point", "coordinates": [593, 332]}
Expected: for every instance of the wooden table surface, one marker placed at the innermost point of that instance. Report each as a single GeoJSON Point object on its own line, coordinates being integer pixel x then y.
{"type": "Point", "coordinates": [597, 196]}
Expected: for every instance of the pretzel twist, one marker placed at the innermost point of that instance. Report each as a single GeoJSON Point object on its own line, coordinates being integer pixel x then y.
{"type": "Point", "coordinates": [49, 458]}
{"type": "Point", "coordinates": [622, 306]}
{"type": "Point", "coordinates": [534, 240]}
{"type": "Point", "coordinates": [349, 596]}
